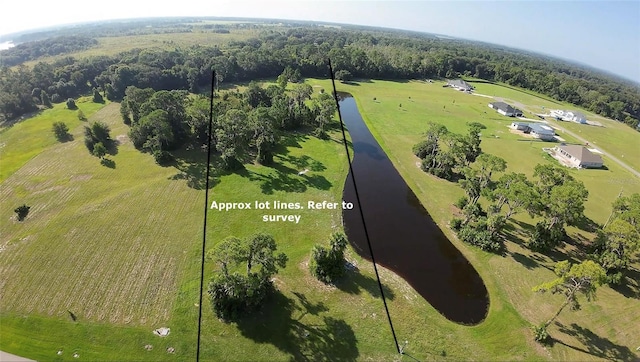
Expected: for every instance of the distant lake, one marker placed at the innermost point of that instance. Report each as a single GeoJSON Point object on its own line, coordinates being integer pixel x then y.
{"type": "Point", "coordinates": [6, 45]}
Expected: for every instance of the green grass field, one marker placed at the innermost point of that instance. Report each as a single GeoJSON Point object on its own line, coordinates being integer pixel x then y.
{"type": "Point", "coordinates": [120, 249]}
{"type": "Point", "coordinates": [21, 142]}
{"type": "Point", "coordinates": [614, 137]}
{"type": "Point", "coordinates": [608, 330]}
{"type": "Point", "coordinates": [116, 44]}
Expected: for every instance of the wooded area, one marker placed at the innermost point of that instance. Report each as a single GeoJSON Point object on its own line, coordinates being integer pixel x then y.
{"type": "Point", "coordinates": [363, 52]}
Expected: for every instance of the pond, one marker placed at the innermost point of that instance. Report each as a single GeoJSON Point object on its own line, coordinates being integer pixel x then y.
{"type": "Point", "coordinates": [403, 235]}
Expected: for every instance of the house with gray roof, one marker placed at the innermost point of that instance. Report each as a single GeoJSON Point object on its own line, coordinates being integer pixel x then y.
{"type": "Point", "coordinates": [579, 156]}
{"type": "Point", "coordinates": [505, 109]}
{"type": "Point", "coordinates": [541, 131]}
{"type": "Point", "coordinates": [460, 85]}
{"type": "Point", "coordinates": [537, 130]}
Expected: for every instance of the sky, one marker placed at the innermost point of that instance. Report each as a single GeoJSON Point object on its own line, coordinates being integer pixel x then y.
{"type": "Point", "coordinates": [603, 34]}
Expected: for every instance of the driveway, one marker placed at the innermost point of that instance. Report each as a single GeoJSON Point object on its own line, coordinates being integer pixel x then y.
{"type": "Point", "coordinates": [8, 357]}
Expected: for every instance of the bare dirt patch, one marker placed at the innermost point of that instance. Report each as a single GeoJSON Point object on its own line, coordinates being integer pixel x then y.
{"type": "Point", "coordinates": [122, 139]}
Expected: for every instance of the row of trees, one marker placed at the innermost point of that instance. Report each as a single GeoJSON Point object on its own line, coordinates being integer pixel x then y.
{"type": "Point", "coordinates": [552, 195]}
{"type": "Point", "coordinates": [356, 53]}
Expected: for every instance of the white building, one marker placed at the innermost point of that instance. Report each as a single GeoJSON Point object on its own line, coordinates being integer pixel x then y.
{"type": "Point", "coordinates": [460, 85]}
{"type": "Point", "coordinates": [569, 116]}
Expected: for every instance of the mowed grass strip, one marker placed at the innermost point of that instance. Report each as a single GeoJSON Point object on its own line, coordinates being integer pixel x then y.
{"type": "Point", "coordinates": [509, 279]}
{"type": "Point", "coordinates": [25, 139]}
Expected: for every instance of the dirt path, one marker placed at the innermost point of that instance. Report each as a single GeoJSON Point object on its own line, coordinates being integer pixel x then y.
{"type": "Point", "coordinates": [614, 159]}
{"type": "Point", "coordinates": [8, 357]}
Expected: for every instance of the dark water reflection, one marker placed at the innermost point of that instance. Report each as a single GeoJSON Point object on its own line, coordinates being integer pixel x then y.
{"type": "Point", "coordinates": [404, 237]}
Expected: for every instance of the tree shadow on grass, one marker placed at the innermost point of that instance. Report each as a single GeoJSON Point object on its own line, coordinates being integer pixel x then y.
{"type": "Point", "coordinates": [305, 162]}
{"type": "Point", "coordinates": [107, 162]}
{"type": "Point", "coordinates": [595, 345]}
{"type": "Point", "coordinates": [192, 167]}
{"type": "Point", "coordinates": [526, 261]}
{"type": "Point", "coordinates": [287, 179]}
{"type": "Point", "coordinates": [630, 286]}
{"type": "Point", "coordinates": [67, 137]}
{"type": "Point", "coordinates": [281, 322]}
{"type": "Point", "coordinates": [354, 282]}
{"type": "Point", "coordinates": [588, 225]}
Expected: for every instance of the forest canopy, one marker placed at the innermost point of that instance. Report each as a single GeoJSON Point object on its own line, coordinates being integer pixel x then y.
{"type": "Point", "coordinates": [362, 52]}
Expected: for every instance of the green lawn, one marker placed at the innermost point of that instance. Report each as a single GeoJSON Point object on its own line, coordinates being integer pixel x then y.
{"type": "Point", "coordinates": [120, 248]}
{"type": "Point", "coordinates": [614, 137]}
{"type": "Point", "coordinates": [509, 279]}
{"type": "Point", "coordinates": [24, 140]}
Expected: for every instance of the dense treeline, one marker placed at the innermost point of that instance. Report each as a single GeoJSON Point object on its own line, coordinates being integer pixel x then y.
{"type": "Point", "coordinates": [52, 46]}
{"type": "Point", "coordinates": [246, 126]}
{"type": "Point", "coordinates": [363, 53]}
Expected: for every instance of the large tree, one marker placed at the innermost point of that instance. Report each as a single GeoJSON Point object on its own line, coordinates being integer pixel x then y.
{"type": "Point", "coordinates": [561, 203]}
{"type": "Point", "coordinates": [324, 109]}
{"type": "Point", "coordinates": [264, 134]}
{"type": "Point", "coordinates": [478, 176]}
{"type": "Point", "coordinates": [232, 137]}
{"type": "Point", "coordinates": [235, 292]}
{"type": "Point", "coordinates": [572, 280]}
{"type": "Point", "coordinates": [514, 191]}
{"type": "Point", "coordinates": [618, 243]}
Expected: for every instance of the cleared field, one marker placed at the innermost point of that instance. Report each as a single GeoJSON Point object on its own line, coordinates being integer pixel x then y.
{"type": "Point", "coordinates": [25, 140]}
{"type": "Point", "coordinates": [117, 44]}
{"type": "Point", "coordinates": [88, 225]}
{"type": "Point", "coordinates": [601, 329]}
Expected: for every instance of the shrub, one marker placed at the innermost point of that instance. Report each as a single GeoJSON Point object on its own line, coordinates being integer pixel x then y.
{"type": "Point", "coordinates": [22, 211]}
{"type": "Point", "coordinates": [234, 295]}
{"type": "Point", "coordinates": [456, 224]}
{"type": "Point", "coordinates": [478, 235]}
{"type": "Point", "coordinates": [540, 333]}
{"type": "Point", "coordinates": [71, 104]}
{"type": "Point", "coordinates": [61, 131]}
{"type": "Point", "coordinates": [423, 148]}
{"type": "Point", "coordinates": [56, 98]}
{"type": "Point", "coordinates": [461, 202]}
{"type": "Point", "coordinates": [81, 115]}
{"type": "Point", "coordinates": [327, 265]}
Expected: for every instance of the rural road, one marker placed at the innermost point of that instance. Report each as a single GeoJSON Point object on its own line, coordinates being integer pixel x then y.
{"type": "Point", "coordinates": [610, 156]}
{"type": "Point", "coordinates": [8, 357]}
